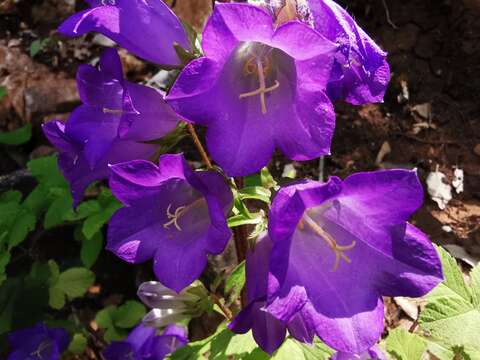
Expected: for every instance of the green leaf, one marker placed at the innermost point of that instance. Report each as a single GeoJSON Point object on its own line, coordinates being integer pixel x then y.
{"type": "Point", "coordinates": [94, 223]}
{"type": "Point", "coordinates": [91, 248]}
{"type": "Point", "coordinates": [402, 345]}
{"type": "Point", "coordinates": [46, 171]}
{"type": "Point", "coordinates": [24, 223]}
{"type": "Point", "coordinates": [104, 318]}
{"type": "Point", "coordinates": [17, 137]}
{"type": "Point", "coordinates": [3, 92]}
{"type": "Point", "coordinates": [236, 281]}
{"type": "Point", "coordinates": [264, 179]}
{"type": "Point", "coordinates": [56, 298]}
{"type": "Point", "coordinates": [84, 210]}
{"type": "Point", "coordinates": [58, 211]}
{"type": "Point", "coordinates": [128, 315]}
{"type": "Point", "coordinates": [78, 344]}
{"type": "Point", "coordinates": [292, 349]}
{"type": "Point", "coordinates": [37, 46]}
{"type": "Point", "coordinates": [11, 196]}
{"type": "Point", "coordinates": [38, 200]}
{"type": "Point", "coordinates": [54, 272]}
{"type": "Point", "coordinates": [239, 220]}
{"type": "Point", "coordinates": [452, 316]}
{"type": "Point", "coordinates": [75, 281]}
{"type": "Point", "coordinates": [255, 192]}
{"type": "Point", "coordinates": [475, 285]}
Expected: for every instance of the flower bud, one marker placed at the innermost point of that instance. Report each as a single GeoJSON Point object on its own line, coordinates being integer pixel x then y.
{"type": "Point", "coordinates": [170, 307]}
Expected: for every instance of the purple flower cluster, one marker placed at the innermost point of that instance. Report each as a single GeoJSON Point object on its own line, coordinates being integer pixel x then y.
{"type": "Point", "coordinates": [333, 250]}
{"type": "Point", "coordinates": [143, 343]}
{"type": "Point", "coordinates": [267, 80]}
{"type": "Point", "coordinates": [38, 343]}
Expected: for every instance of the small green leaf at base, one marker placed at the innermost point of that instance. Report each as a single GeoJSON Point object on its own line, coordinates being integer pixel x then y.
{"type": "Point", "coordinates": [402, 345]}
{"type": "Point", "coordinates": [17, 137]}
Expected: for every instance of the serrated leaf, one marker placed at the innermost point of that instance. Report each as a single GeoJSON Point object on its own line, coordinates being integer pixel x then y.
{"type": "Point", "coordinates": [402, 345]}
{"type": "Point", "coordinates": [241, 344]}
{"type": "Point", "coordinates": [24, 223]}
{"type": "Point", "coordinates": [38, 200]}
{"type": "Point", "coordinates": [78, 344]}
{"type": "Point", "coordinates": [104, 317]}
{"type": "Point", "coordinates": [453, 284]}
{"type": "Point", "coordinates": [128, 315]}
{"type": "Point", "coordinates": [452, 317]}
{"type": "Point", "coordinates": [11, 196]}
{"type": "Point", "coordinates": [90, 250]}
{"type": "Point", "coordinates": [440, 351]}
{"type": "Point", "coordinates": [95, 222]}
{"type": "Point", "coordinates": [46, 171]}
{"type": "Point", "coordinates": [115, 334]}
{"type": "Point", "coordinates": [58, 211]}
{"type": "Point", "coordinates": [475, 285]}
{"type": "Point", "coordinates": [75, 282]}
{"type": "Point", "coordinates": [17, 137]}
{"type": "Point", "coordinates": [292, 349]}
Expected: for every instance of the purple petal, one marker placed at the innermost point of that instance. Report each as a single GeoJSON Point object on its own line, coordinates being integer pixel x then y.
{"type": "Point", "coordinates": [372, 353]}
{"type": "Point", "coordinates": [416, 268]}
{"type": "Point", "coordinates": [268, 331]}
{"type": "Point", "coordinates": [139, 336]}
{"type": "Point", "coordinates": [134, 180]}
{"type": "Point", "coordinates": [55, 133]}
{"type": "Point", "coordinates": [365, 71]}
{"type": "Point", "coordinates": [153, 117]}
{"type": "Point", "coordinates": [219, 199]}
{"type": "Point", "coordinates": [148, 28]}
{"type": "Point", "coordinates": [191, 95]}
{"type": "Point", "coordinates": [292, 36]}
{"type": "Point", "coordinates": [230, 24]}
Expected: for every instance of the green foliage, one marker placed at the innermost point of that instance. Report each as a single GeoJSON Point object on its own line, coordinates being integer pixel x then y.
{"type": "Point", "coordinates": [241, 214]}
{"type": "Point", "coordinates": [263, 179]}
{"type": "Point", "coordinates": [70, 284]}
{"type": "Point", "coordinates": [236, 282]}
{"type": "Point", "coordinates": [24, 299]}
{"type": "Point", "coordinates": [37, 46]}
{"type": "Point", "coordinates": [3, 92]}
{"type": "Point", "coordinates": [51, 194]}
{"type": "Point", "coordinates": [16, 222]}
{"type": "Point", "coordinates": [292, 349]}
{"type": "Point", "coordinates": [225, 345]}
{"type": "Point", "coordinates": [78, 344]}
{"type": "Point", "coordinates": [94, 222]}
{"type": "Point", "coordinates": [91, 249]}
{"type": "Point", "coordinates": [402, 345]}
{"type": "Point", "coordinates": [451, 319]}
{"type": "Point", "coordinates": [115, 320]}
{"type": "Point", "coordinates": [17, 137]}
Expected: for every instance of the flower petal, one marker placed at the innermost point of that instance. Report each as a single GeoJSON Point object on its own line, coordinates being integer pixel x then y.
{"type": "Point", "coordinates": [147, 28]}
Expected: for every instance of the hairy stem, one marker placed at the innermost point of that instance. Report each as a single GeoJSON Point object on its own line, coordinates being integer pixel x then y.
{"type": "Point", "coordinates": [226, 311]}
{"type": "Point", "coordinates": [199, 146]}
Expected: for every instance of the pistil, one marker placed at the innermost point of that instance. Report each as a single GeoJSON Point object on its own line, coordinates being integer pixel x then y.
{"type": "Point", "coordinates": [179, 212]}
{"type": "Point", "coordinates": [112, 111]}
{"type": "Point", "coordinates": [337, 249]}
{"type": "Point", "coordinates": [263, 89]}
{"type": "Point", "coordinates": [38, 353]}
